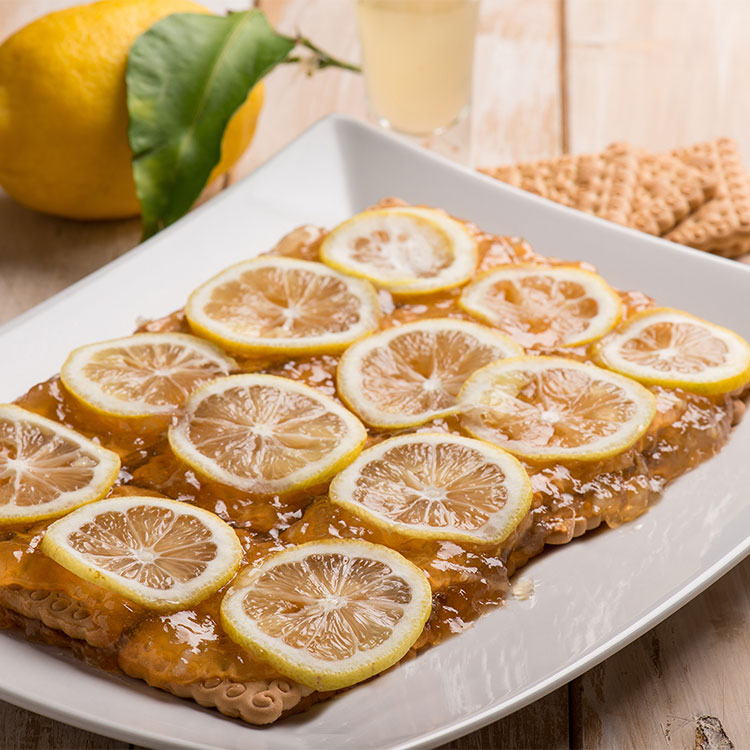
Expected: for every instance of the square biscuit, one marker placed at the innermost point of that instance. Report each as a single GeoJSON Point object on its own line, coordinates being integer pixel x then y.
{"type": "Point", "coordinates": [722, 225]}
{"type": "Point", "coordinates": [650, 192]}
{"type": "Point", "coordinates": [668, 190]}
{"type": "Point", "coordinates": [599, 184]}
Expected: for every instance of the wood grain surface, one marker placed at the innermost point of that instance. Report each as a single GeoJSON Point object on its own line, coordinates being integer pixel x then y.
{"type": "Point", "coordinates": [551, 75]}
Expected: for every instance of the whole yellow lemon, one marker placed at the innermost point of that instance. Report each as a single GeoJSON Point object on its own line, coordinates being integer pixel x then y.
{"type": "Point", "coordinates": [63, 116]}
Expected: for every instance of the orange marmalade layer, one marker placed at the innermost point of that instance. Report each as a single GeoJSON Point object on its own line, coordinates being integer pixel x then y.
{"type": "Point", "coordinates": [190, 645]}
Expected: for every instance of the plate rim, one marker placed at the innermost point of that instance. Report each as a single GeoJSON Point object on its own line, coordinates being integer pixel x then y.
{"type": "Point", "coordinates": [338, 123]}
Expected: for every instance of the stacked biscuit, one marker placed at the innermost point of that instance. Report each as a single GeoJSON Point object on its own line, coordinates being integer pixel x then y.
{"type": "Point", "coordinates": [697, 196]}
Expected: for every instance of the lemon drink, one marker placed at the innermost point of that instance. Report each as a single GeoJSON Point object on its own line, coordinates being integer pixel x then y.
{"type": "Point", "coordinates": [417, 57]}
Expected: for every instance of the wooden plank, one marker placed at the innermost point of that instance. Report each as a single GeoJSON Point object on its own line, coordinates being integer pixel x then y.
{"type": "Point", "coordinates": [40, 255]}
{"type": "Point", "coordinates": [517, 101]}
{"type": "Point", "coordinates": [23, 730]}
{"type": "Point", "coordinates": [543, 725]}
{"type": "Point", "coordinates": [658, 73]}
{"type": "Point", "coordinates": [695, 663]}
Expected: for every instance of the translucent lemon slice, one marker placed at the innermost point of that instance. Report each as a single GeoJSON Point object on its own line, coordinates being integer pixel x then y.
{"type": "Point", "coordinates": [436, 486]}
{"type": "Point", "coordinates": [141, 375]}
{"type": "Point", "coordinates": [405, 250]}
{"type": "Point", "coordinates": [265, 434]}
{"type": "Point", "coordinates": [669, 347]}
{"type": "Point", "coordinates": [329, 614]}
{"type": "Point", "coordinates": [283, 305]}
{"type": "Point", "coordinates": [405, 376]}
{"type": "Point", "coordinates": [161, 553]}
{"type": "Point", "coordinates": [555, 409]}
{"type": "Point", "coordinates": [544, 305]}
{"type": "Point", "coordinates": [47, 469]}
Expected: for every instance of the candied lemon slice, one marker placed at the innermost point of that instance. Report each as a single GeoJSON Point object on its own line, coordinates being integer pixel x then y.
{"type": "Point", "coordinates": [436, 486]}
{"type": "Point", "coordinates": [555, 409]}
{"type": "Point", "coordinates": [142, 375]}
{"type": "Point", "coordinates": [405, 250]}
{"type": "Point", "coordinates": [405, 376]}
{"type": "Point", "coordinates": [331, 613]}
{"type": "Point", "coordinates": [544, 305]}
{"type": "Point", "coordinates": [265, 434]}
{"type": "Point", "coordinates": [669, 347]}
{"type": "Point", "coordinates": [283, 305]}
{"type": "Point", "coordinates": [161, 553]}
{"type": "Point", "coordinates": [47, 469]}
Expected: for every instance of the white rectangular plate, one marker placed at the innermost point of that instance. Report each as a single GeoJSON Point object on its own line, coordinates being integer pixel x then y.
{"type": "Point", "coordinates": [592, 597]}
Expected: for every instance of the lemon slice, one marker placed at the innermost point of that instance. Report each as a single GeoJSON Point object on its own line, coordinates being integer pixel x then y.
{"type": "Point", "coordinates": [405, 250]}
{"type": "Point", "coordinates": [331, 613]}
{"type": "Point", "coordinates": [405, 376]}
{"type": "Point", "coordinates": [161, 553]}
{"type": "Point", "coordinates": [544, 305]}
{"type": "Point", "coordinates": [672, 348]}
{"type": "Point", "coordinates": [265, 434]}
{"type": "Point", "coordinates": [282, 305]}
{"type": "Point", "coordinates": [141, 375]}
{"type": "Point", "coordinates": [47, 469]}
{"type": "Point", "coordinates": [436, 486]}
{"type": "Point", "coordinates": [555, 409]}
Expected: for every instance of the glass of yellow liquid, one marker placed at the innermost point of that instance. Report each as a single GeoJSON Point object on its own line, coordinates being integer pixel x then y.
{"type": "Point", "coordinates": [417, 57]}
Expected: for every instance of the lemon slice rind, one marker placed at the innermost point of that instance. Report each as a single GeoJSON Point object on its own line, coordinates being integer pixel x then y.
{"type": "Point", "coordinates": [104, 474]}
{"type": "Point", "coordinates": [333, 251]}
{"type": "Point", "coordinates": [477, 390]}
{"type": "Point", "coordinates": [313, 473]}
{"type": "Point", "coordinates": [350, 369]}
{"type": "Point", "coordinates": [710, 381]}
{"type": "Point", "coordinates": [330, 342]}
{"type": "Point", "coordinates": [91, 393]}
{"type": "Point", "coordinates": [306, 668]}
{"type": "Point", "coordinates": [472, 298]}
{"type": "Point", "coordinates": [494, 531]}
{"type": "Point", "coordinates": [183, 594]}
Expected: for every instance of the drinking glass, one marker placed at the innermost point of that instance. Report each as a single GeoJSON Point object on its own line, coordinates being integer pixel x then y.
{"type": "Point", "coordinates": [417, 58]}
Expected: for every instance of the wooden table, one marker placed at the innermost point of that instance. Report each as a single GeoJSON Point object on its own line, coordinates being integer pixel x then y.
{"type": "Point", "coordinates": [551, 76]}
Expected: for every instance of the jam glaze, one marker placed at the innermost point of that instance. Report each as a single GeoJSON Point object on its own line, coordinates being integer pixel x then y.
{"type": "Point", "coordinates": [190, 647]}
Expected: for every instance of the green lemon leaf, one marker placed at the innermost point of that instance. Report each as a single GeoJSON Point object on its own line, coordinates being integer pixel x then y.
{"type": "Point", "coordinates": [186, 77]}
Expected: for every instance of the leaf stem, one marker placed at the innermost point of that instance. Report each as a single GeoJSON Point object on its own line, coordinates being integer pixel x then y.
{"type": "Point", "coordinates": [319, 59]}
